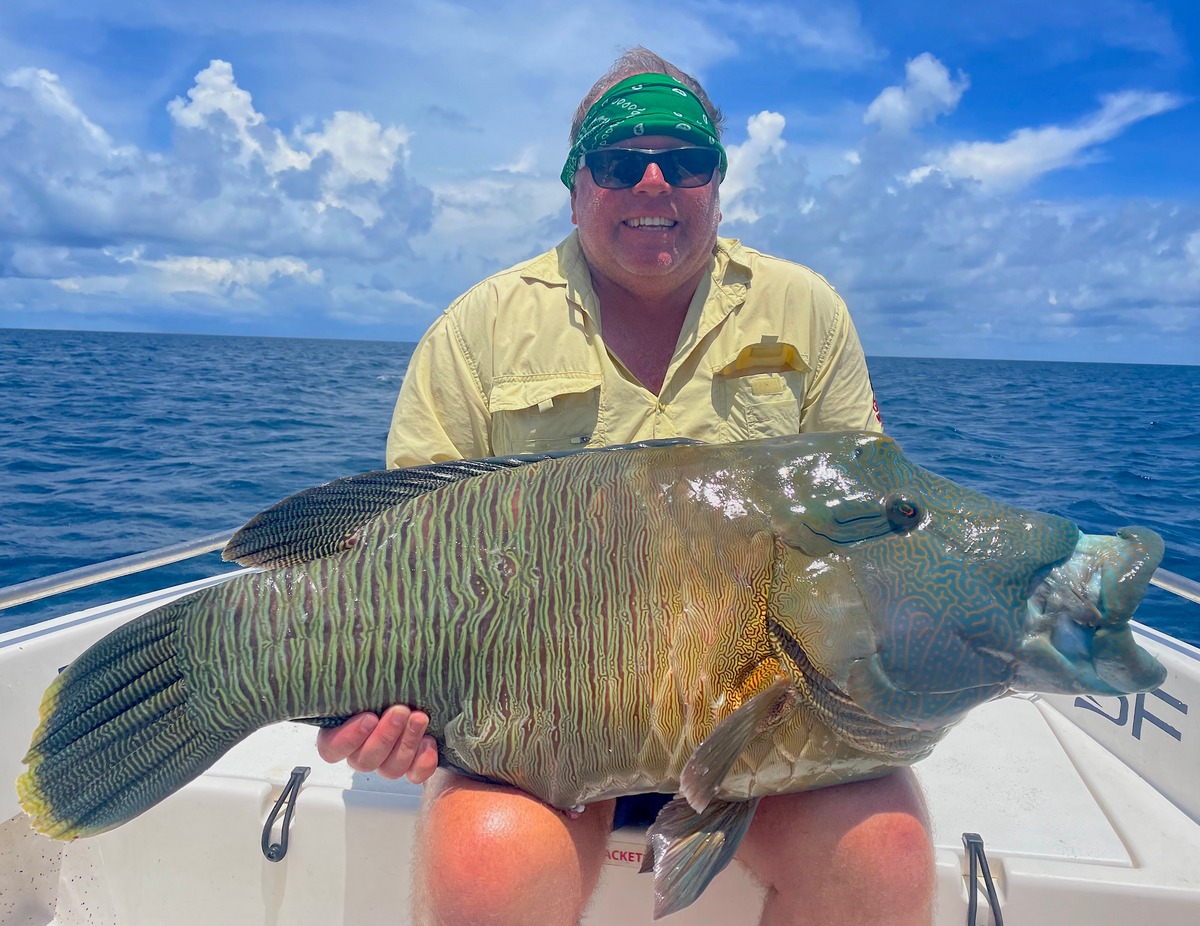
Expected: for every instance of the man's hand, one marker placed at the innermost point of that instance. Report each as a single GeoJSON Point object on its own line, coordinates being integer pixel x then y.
{"type": "Point", "coordinates": [393, 745]}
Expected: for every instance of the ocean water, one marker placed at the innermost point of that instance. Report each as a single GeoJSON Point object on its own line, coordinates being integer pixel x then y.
{"type": "Point", "coordinates": [112, 444]}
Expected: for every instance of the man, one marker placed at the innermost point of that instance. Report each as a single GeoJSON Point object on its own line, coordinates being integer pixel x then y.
{"type": "Point", "coordinates": [642, 324]}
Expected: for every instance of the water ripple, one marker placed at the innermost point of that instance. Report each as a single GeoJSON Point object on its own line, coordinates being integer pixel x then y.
{"type": "Point", "coordinates": [117, 443]}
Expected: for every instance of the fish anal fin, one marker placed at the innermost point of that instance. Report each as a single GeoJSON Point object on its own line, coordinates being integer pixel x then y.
{"type": "Point", "coordinates": [324, 723]}
{"type": "Point", "coordinates": [703, 773]}
{"type": "Point", "coordinates": [686, 850]}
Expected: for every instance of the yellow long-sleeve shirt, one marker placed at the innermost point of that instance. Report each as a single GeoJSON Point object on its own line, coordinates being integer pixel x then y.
{"type": "Point", "coordinates": [517, 364]}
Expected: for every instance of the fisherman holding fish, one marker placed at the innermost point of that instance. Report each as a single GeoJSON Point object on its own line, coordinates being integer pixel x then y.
{"type": "Point", "coordinates": [729, 620]}
{"type": "Point", "coordinates": [641, 324]}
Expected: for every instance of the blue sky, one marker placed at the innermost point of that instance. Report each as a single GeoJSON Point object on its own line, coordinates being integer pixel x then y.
{"type": "Point", "coordinates": [1014, 180]}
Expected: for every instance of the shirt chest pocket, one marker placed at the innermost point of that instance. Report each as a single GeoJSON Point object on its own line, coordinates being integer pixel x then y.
{"type": "Point", "coordinates": [553, 413]}
{"type": "Point", "coordinates": [760, 391]}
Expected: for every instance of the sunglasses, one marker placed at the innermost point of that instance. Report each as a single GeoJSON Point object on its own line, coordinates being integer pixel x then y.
{"type": "Point", "coordinates": [621, 168]}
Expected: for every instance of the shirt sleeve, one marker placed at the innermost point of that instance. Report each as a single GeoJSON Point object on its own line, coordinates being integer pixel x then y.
{"type": "Point", "coordinates": [441, 413]}
{"type": "Point", "coordinates": [841, 397]}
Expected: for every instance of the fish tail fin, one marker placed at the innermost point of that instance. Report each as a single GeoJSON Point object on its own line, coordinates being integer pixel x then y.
{"type": "Point", "coordinates": [116, 735]}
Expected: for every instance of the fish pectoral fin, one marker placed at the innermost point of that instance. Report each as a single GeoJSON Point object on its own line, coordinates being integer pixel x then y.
{"type": "Point", "coordinates": [702, 775]}
{"type": "Point", "coordinates": [686, 850]}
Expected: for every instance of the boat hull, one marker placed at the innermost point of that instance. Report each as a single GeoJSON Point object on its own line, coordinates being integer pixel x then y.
{"type": "Point", "coordinates": [1086, 808]}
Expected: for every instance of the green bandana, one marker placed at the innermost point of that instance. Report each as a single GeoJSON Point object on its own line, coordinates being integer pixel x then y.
{"type": "Point", "coordinates": [645, 104]}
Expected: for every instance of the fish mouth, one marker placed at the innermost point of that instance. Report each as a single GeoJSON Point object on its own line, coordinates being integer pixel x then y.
{"type": "Point", "coordinates": [1078, 638]}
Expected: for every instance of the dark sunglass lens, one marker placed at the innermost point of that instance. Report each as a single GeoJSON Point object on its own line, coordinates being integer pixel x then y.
{"type": "Point", "coordinates": [617, 169]}
{"type": "Point", "coordinates": [621, 168]}
{"type": "Point", "coordinates": [690, 167]}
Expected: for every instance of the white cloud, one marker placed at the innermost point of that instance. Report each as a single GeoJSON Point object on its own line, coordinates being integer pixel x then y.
{"type": "Point", "coordinates": [47, 91]}
{"type": "Point", "coordinates": [764, 139]}
{"type": "Point", "coordinates": [280, 148]}
{"type": "Point", "coordinates": [364, 154]}
{"type": "Point", "coordinates": [231, 209]}
{"type": "Point", "coordinates": [483, 224]}
{"type": "Point", "coordinates": [230, 180]}
{"type": "Point", "coordinates": [1028, 153]}
{"type": "Point", "coordinates": [365, 166]}
{"type": "Point", "coordinates": [1192, 247]}
{"type": "Point", "coordinates": [217, 96]}
{"type": "Point", "coordinates": [813, 32]}
{"type": "Point", "coordinates": [219, 277]}
{"type": "Point", "coordinates": [928, 92]}
{"type": "Point", "coordinates": [361, 154]}
{"type": "Point", "coordinates": [937, 269]}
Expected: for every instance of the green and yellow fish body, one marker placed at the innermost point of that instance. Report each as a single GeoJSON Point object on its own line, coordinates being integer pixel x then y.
{"type": "Point", "coordinates": [720, 621]}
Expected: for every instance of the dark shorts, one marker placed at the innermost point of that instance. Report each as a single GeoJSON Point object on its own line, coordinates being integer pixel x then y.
{"type": "Point", "coordinates": [639, 809]}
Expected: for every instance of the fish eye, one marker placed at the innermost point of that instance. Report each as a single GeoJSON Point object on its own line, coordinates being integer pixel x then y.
{"type": "Point", "coordinates": [903, 513]}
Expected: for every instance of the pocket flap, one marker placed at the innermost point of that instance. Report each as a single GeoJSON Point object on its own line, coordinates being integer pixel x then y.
{"type": "Point", "coordinates": [765, 357]}
{"type": "Point", "coordinates": [513, 395]}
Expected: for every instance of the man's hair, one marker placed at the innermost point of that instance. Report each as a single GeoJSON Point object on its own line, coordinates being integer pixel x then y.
{"type": "Point", "coordinates": [639, 60]}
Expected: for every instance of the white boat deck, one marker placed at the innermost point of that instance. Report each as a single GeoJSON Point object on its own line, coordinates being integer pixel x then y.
{"type": "Point", "coordinates": [1073, 833]}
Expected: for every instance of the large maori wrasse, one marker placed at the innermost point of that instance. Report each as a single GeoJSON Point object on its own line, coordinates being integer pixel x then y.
{"type": "Point", "coordinates": [718, 621]}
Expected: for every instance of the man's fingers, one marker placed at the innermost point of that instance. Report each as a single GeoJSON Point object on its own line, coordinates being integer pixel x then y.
{"type": "Point", "coordinates": [338, 743]}
{"type": "Point", "coordinates": [398, 762]}
{"type": "Point", "coordinates": [394, 745]}
{"type": "Point", "coordinates": [426, 762]}
{"type": "Point", "coordinates": [383, 740]}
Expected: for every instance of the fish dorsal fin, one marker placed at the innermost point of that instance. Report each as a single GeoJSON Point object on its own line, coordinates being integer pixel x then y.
{"type": "Point", "coordinates": [327, 519]}
{"type": "Point", "coordinates": [710, 763]}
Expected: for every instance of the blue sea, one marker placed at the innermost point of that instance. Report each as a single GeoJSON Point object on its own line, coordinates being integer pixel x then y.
{"type": "Point", "coordinates": [112, 444]}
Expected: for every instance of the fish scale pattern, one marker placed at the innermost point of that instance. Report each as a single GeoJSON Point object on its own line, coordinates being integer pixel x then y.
{"type": "Point", "coordinates": [482, 610]}
{"type": "Point", "coordinates": [579, 626]}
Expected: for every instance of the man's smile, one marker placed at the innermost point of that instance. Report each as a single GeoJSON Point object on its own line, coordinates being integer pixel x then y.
{"type": "Point", "coordinates": [650, 221]}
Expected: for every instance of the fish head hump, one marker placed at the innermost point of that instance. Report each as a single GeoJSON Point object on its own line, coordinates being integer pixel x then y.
{"type": "Point", "coordinates": [917, 599]}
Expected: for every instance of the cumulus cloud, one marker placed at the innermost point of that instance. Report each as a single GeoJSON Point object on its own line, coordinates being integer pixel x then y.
{"type": "Point", "coordinates": [46, 91]}
{"type": "Point", "coordinates": [377, 188]}
{"type": "Point", "coordinates": [217, 97]}
{"type": "Point", "coordinates": [763, 140]}
{"type": "Point", "coordinates": [928, 92]}
{"type": "Point", "coordinates": [229, 181]}
{"type": "Point", "coordinates": [949, 269]}
{"type": "Point", "coordinates": [360, 154]}
{"type": "Point", "coordinates": [1028, 152]}
{"type": "Point", "coordinates": [216, 174]}
{"type": "Point", "coordinates": [232, 207]}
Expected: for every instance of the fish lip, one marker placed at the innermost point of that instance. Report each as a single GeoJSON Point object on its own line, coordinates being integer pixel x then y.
{"type": "Point", "coordinates": [1078, 637]}
{"type": "Point", "coordinates": [1102, 581]}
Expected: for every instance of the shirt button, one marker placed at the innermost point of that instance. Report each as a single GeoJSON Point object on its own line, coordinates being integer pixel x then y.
{"type": "Point", "coordinates": [662, 407]}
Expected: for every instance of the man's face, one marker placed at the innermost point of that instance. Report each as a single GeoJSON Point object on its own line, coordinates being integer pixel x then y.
{"type": "Point", "coordinates": [642, 257]}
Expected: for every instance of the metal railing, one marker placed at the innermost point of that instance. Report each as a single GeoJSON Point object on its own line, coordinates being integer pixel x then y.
{"type": "Point", "coordinates": [24, 592]}
{"type": "Point", "coordinates": [1177, 584]}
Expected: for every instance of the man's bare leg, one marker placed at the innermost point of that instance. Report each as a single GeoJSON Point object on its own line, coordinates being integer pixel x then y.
{"type": "Point", "coordinates": [493, 854]}
{"type": "Point", "coordinates": [851, 854]}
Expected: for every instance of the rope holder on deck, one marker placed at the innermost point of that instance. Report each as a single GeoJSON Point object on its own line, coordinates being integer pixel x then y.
{"type": "Point", "coordinates": [973, 843]}
{"type": "Point", "coordinates": [275, 851]}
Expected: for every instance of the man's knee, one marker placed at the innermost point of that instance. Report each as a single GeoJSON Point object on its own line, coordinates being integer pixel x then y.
{"type": "Point", "coordinates": [495, 855]}
{"type": "Point", "coordinates": [867, 841]}
{"type": "Point", "coordinates": [887, 858]}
